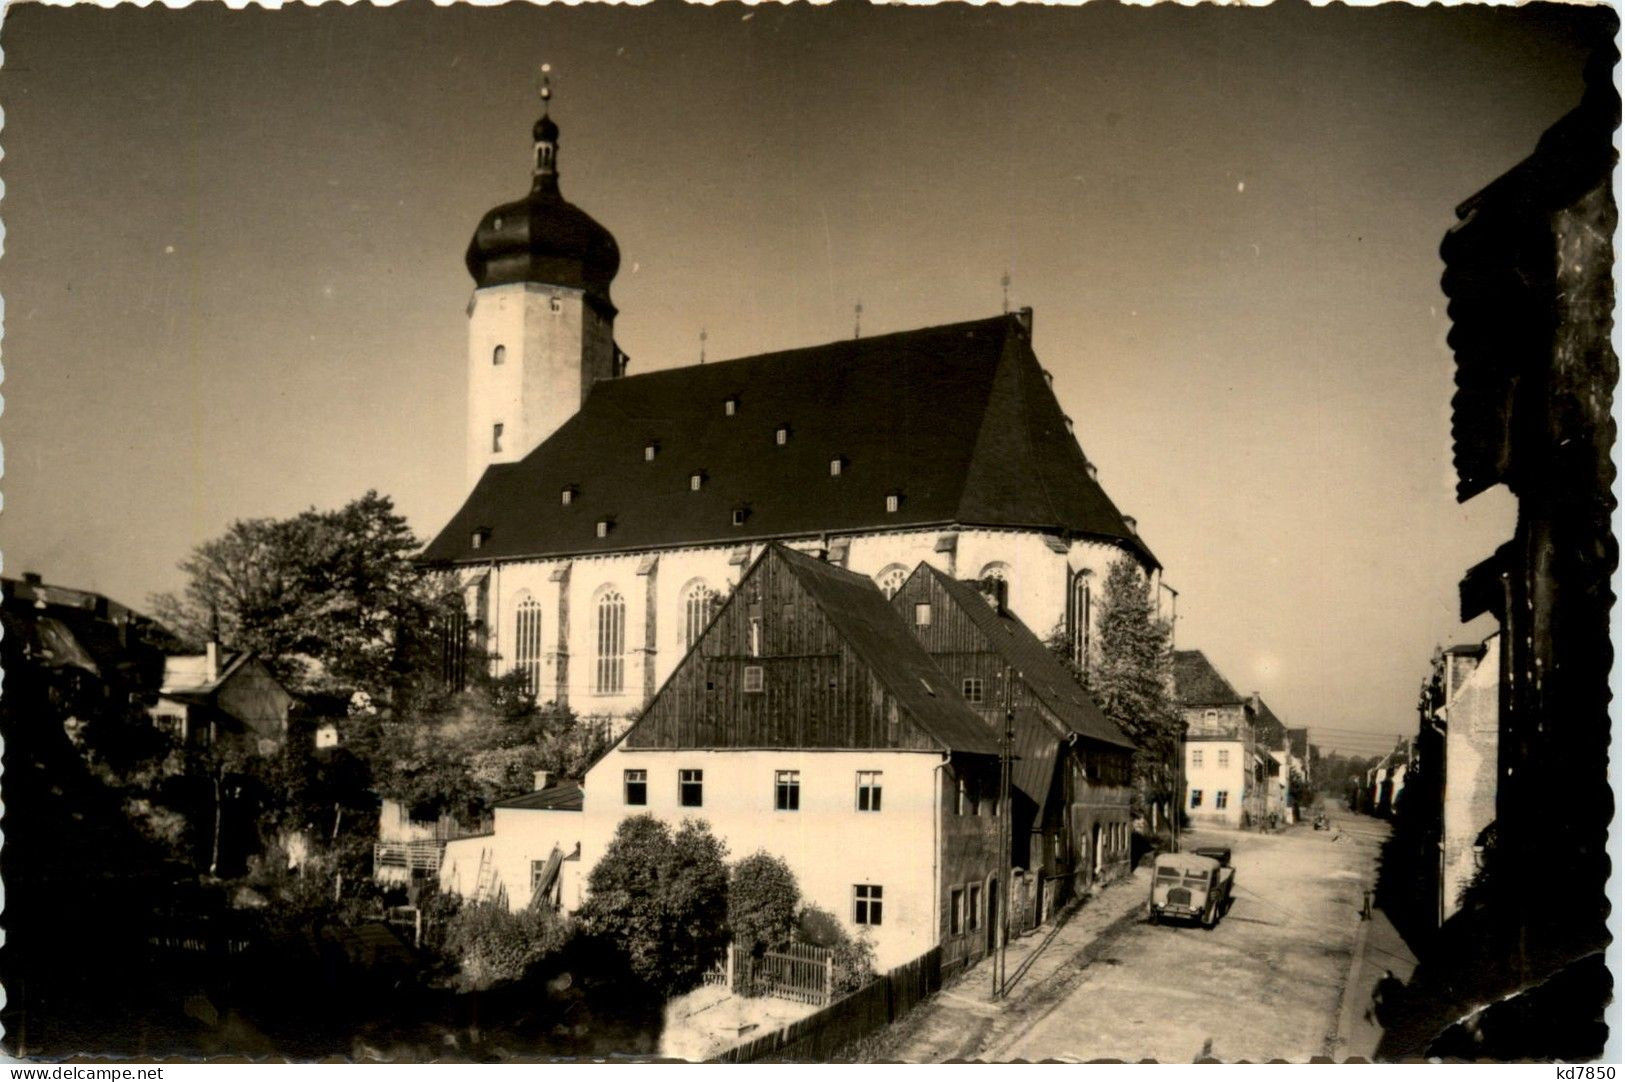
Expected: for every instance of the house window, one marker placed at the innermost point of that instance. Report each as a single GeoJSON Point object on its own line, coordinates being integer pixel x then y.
{"type": "Point", "coordinates": [740, 514]}
{"type": "Point", "coordinates": [971, 686]}
{"type": "Point", "coordinates": [1224, 757]}
{"type": "Point", "coordinates": [836, 465]}
{"type": "Point", "coordinates": [696, 481]}
{"type": "Point", "coordinates": [973, 908]}
{"type": "Point", "coordinates": [868, 790]}
{"type": "Point", "coordinates": [893, 502]}
{"type": "Point", "coordinates": [649, 451]}
{"type": "Point", "coordinates": [787, 790]}
{"type": "Point", "coordinates": [697, 602]}
{"type": "Point", "coordinates": [755, 636]}
{"type": "Point", "coordinates": [1196, 798]}
{"type": "Point", "coordinates": [476, 540]}
{"type": "Point", "coordinates": [527, 643]}
{"type": "Point", "coordinates": [866, 904]}
{"type": "Point", "coordinates": [891, 580]}
{"type": "Point", "coordinates": [781, 436]}
{"type": "Point", "coordinates": [691, 788]}
{"type": "Point", "coordinates": [1211, 719]}
{"type": "Point", "coordinates": [1080, 616]}
{"type": "Point", "coordinates": [753, 678]}
{"type": "Point", "coordinates": [637, 787]}
{"type": "Point", "coordinates": [730, 406]}
{"type": "Point", "coordinates": [1221, 799]}
{"type": "Point", "coordinates": [496, 438]}
{"type": "Point", "coordinates": [499, 355]}
{"type": "Point", "coordinates": [1196, 757]}
{"type": "Point", "coordinates": [567, 495]}
{"type": "Point", "coordinates": [961, 799]}
{"type": "Point", "coordinates": [922, 614]}
{"type": "Point", "coordinates": [956, 912]}
{"type": "Point", "coordinates": [537, 869]}
{"type": "Point", "coordinates": [611, 668]}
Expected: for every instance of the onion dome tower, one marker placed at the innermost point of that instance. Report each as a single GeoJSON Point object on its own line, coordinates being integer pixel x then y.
{"type": "Point", "coordinates": [541, 323]}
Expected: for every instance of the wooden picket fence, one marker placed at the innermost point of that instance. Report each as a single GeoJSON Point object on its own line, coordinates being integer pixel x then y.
{"type": "Point", "coordinates": [797, 972]}
{"type": "Point", "coordinates": [816, 1038]}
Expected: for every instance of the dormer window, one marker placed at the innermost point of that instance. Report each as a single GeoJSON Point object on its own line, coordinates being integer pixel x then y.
{"type": "Point", "coordinates": [781, 435]}
{"type": "Point", "coordinates": [740, 515]}
{"type": "Point", "coordinates": [730, 406]}
{"type": "Point", "coordinates": [837, 465]}
{"type": "Point", "coordinates": [604, 526]}
{"type": "Point", "coordinates": [567, 495]}
{"type": "Point", "coordinates": [1068, 421]}
{"type": "Point", "coordinates": [499, 355]}
{"type": "Point", "coordinates": [894, 500]}
{"type": "Point", "coordinates": [650, 450]}
{"type": "Point", "coordinates": [477, 539]}
{"type": "Point", "coordinates": [696, 480]}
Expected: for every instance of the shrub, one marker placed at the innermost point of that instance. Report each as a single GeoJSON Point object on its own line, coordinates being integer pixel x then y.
{"type": "Point", "coordinates": [492, 944]}
{"type": "Point", "coordinates": [762, 900]}
{"type": "Point", "coordinates": [854, 958]}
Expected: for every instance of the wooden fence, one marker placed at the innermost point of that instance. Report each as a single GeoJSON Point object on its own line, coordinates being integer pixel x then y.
{"type": "Point", "coordinates": [798, 972]}
{"type": "Point", "coordinates": [816, 1038]}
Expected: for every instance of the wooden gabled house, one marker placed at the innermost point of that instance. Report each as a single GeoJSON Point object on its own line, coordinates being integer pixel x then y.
{"type": "Point", "coordinates": [1070, 821]}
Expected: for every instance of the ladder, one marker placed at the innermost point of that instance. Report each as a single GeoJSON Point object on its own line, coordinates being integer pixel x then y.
{"type": "Point", "coordinates": [485, 878]}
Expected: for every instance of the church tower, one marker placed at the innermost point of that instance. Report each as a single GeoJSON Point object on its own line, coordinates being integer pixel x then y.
{"type": "Point", "coordinates": [541, 324]}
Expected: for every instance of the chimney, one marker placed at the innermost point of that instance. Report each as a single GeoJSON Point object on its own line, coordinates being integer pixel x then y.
{"type": "Point", "coordinates": [211, 661]}
{"type": "Point", "coordinates": [541, 780]}
{"type": "Point", "coordinates": [1024, 317]}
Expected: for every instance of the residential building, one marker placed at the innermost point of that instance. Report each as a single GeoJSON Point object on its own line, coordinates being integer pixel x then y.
{"type": "Point", "coordinates": [609, 514]}
{"type": "Point", "coordinates": [1270, 767]}
{"type": "Point", "coordinates": [222, 696]}
{"type": "Point", "coordinates": [808, 722]}
{"type": "Point", "coordinates": [1070, 788]}
{"type": "Point", "coordinates": [1223, 780]}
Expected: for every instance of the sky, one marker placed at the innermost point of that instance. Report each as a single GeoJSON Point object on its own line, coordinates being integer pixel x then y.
{"type": "Point", "coordinates": [233, 277]}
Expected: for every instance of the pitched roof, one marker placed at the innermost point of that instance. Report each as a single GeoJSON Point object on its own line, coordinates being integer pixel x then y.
{"type": "Point", "coordinates": [1198, 683]}
{"type": "Point", "coordinates": [1037, 665]}
{"type": "Point", "coordinates": [863, 616]}
{"type": "Point", "coordinates": [958, 421]}
{"type": "Point", "coordinates": [1266, 725]}
{"type": "Point", "coordinates": [564, 796]}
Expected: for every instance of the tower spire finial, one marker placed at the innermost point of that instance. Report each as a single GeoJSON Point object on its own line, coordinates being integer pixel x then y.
{"type": "Point", "coordinates": [545, 171]}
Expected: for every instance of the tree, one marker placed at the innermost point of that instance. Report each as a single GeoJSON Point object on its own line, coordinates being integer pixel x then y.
{"type": "Point", "coordinates": [762, 900]}
{"type": "Point", "coordinates": [662, 900]}
{"type": "Point", "coordinates": [1131, 676]}
{"type": "Point", "coordinates": [329, 599]}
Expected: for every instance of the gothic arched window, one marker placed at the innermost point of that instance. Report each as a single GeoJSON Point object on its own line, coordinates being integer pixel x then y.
{"type": "Point", "coordinates": [891, 580]}
{"type": "Point", "coordinates": [527, 642]}
{"type": "Point", "coordinates": [610, 677]}
{"type": "Point", "coordinates": [1080, 617]}
{"type": "Point", "coordinates": [699, 602]}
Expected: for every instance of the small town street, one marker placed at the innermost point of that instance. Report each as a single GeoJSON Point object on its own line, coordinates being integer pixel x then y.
{"type": "Point", "coordinates": [1267, 983]}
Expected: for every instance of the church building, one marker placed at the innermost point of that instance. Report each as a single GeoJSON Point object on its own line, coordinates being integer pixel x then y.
{"type": "Point", "coordinates": [610, 514]}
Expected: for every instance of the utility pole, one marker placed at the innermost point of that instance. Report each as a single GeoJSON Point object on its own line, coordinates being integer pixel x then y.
{"type": "Point", "coordinates": [1004, 832]}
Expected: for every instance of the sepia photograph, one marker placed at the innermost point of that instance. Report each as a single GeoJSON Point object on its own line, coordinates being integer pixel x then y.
{"type": "Point", "coordinates": [789, 533]}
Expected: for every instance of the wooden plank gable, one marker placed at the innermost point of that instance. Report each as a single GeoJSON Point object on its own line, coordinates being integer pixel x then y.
{"type": "Point", "coordinates": [816, 692]}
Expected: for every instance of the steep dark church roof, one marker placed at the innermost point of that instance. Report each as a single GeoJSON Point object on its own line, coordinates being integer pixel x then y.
{"type": "Point", "coordinates": [1198, 683]}
{"type": "Point", "coordinates": [957, 422]}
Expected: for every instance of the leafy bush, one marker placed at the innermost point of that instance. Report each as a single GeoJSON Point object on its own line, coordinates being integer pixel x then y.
{"type": "Point", "coordinates": [492, 944]}
{"type": "Point", "coordinates": [762, 900]}
{"type": "Point", "coordinates": [662, 900]}
{"type": "Point", "coordinates": [854, 958]}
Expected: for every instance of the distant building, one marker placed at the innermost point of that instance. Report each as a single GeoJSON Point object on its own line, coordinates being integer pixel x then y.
{"type": "Point", "coordinates": [1223, 780]}
{"type": "Point", "coordinates": [223, 697]}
